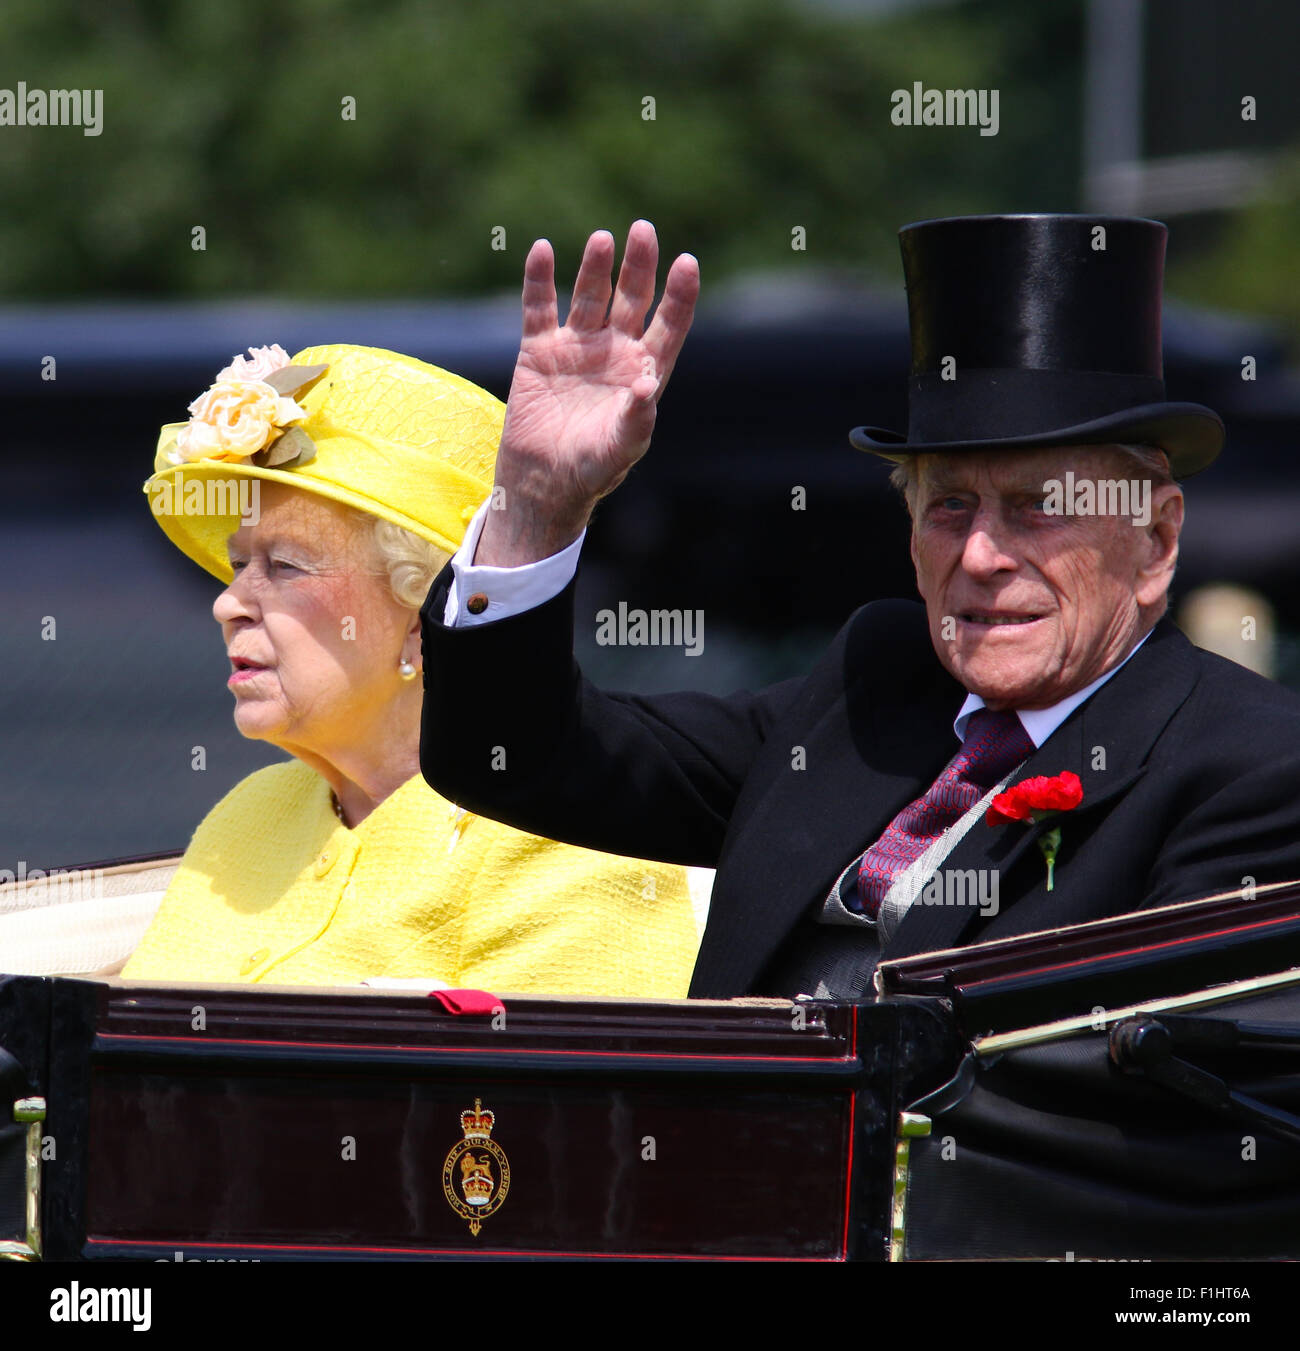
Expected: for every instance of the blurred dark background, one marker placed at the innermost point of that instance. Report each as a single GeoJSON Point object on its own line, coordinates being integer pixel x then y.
{"type": "Point", "coordinates": [770, 154]}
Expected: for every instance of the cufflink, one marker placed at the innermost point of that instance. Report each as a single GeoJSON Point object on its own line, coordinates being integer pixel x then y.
{"type": "Point", "coordinates": [477, 603]}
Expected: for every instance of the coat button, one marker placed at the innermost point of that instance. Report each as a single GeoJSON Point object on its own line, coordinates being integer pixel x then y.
{"type": "Point", "coordinates": [254, 959]}
{"type": "Point", "coordinates": [477, 603]}
{"type": "Point", "coordinates": [325, 860]}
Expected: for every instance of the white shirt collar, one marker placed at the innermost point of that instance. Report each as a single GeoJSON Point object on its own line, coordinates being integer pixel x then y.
{"type": "Point", "coordinates": [1040, 723]}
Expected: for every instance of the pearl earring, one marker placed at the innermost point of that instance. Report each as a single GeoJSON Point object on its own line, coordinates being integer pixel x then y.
{"type": "Point", "coordinates": [406, 670]}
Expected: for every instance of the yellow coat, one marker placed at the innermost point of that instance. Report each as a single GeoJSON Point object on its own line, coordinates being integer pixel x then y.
{"type": "Point", "coordinates": [275, 888]}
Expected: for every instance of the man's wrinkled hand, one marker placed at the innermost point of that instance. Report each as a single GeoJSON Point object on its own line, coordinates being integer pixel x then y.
{"type": "Point", "coordinates": [584, 395]}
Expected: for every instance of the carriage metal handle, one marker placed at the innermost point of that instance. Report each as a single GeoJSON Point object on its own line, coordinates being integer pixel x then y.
{"type": "Point", "coordinates": [1143, 1045]}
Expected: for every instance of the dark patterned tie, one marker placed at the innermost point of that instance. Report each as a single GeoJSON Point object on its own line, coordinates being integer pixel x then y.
{"type": "Point", "coordinates": [995, 744]}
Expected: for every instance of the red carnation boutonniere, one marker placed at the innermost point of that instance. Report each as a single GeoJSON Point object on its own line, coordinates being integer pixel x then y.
{"type": "Point", "coordinates": [1036, 800]}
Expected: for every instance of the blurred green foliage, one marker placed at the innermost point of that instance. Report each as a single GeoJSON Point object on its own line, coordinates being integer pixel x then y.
{"type": "Point", "coordinates": [1248, 259]}
{"type": "Point", "coordinates": [768, 116]}
{"type": "Point", "coordinates": [504, 116]}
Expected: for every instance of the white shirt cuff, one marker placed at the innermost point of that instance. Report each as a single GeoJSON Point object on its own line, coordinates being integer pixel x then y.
{"type": "Point", "coordinates": [509, 591]}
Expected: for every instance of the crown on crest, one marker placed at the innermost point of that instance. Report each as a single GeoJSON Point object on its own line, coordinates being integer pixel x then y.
{"type": "Point", "coordinates": [477, 1124]}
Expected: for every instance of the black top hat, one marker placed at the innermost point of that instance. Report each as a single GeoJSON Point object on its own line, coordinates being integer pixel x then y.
{"type": "Point", "coordinates": [1039, 330]}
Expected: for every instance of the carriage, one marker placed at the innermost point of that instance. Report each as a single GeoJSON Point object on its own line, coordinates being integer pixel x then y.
{"type": "Point", "coordinates": [1123, 1089]}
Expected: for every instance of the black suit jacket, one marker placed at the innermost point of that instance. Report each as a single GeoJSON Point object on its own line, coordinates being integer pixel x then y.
{"type": "Point", "coordinates": [1190, 767]}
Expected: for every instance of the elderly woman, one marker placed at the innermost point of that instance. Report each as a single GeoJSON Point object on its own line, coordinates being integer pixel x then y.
{"type": "Point", "coordinates": [327, 492]}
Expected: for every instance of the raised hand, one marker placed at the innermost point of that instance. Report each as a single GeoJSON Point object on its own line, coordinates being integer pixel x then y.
{"type": "Point", "coordinates": [584, 395]}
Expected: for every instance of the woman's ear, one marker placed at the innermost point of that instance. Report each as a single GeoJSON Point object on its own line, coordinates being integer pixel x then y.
{"type": "Point", "coordinates": [413, 647]}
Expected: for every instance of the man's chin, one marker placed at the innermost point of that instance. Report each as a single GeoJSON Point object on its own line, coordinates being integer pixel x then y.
{"type": "Point", "coordinates": [1000, 681]}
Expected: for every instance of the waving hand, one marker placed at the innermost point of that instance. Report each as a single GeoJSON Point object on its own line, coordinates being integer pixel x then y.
{"type": "Point", "coordinates": [584, 395]}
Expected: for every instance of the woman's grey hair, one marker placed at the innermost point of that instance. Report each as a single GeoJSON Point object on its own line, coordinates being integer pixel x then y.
{"type": "Point", "coordinates": [1148, 462]}
{"type": "Point", "coordinates": [409, 561]}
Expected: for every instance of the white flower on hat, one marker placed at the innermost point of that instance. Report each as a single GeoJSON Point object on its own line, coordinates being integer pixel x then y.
{"type": "Point", "coordinates": [233, 420]}
{"type": "Point", "coordinates": [249, 414]}
{"type": "Point", "coordinates": [259, 363]}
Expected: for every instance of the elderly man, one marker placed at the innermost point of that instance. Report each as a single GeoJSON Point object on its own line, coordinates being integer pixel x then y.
{"type": "Point", "coordinates": [840, 809]}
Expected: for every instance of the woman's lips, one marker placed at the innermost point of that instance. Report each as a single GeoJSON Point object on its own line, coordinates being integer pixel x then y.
{"type": "Point", "coordinates": [245, 671]}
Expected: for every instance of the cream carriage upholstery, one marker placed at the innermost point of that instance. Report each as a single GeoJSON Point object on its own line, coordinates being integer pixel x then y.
{"type": "Point", "coordinates": [79, 921]}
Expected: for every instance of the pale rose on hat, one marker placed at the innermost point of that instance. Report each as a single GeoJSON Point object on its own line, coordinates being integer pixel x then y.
{"type": "Point", "coordinates": [233, 420]}
{"type": "Point", "coordinates": [260, 362]}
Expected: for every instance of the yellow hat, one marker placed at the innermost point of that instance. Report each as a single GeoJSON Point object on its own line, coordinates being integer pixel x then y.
{"type": "Point", "coordinates": [385, 433]}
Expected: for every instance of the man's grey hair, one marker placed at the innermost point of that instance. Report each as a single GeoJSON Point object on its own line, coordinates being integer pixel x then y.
{"type": "Point", "coordinates": [1149, 462]}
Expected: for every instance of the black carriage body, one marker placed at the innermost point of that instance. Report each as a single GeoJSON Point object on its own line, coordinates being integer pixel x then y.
{"type": "Point", "coordinates": [977, 1109]}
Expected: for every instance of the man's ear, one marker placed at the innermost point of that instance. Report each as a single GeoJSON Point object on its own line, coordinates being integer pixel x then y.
{"type": "Point", "coordinates": [912, 498]}
{"type": "Point", "coordinates": [1157, 569]}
